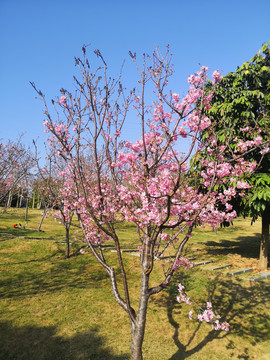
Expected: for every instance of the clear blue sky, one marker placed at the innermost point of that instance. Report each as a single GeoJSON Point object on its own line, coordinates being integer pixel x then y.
{"type": "Point", "coordinates": [39, 39]}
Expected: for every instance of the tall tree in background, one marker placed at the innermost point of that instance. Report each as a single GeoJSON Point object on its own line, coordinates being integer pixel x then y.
{"type": "Point", "coordinates": [147, 182]}
{"type": "Point", "coordinates": [50, 185]}
{"type": "Point", "coordinates": [16, 162]}
{"type": "Point", "coordinates": [242, 101]}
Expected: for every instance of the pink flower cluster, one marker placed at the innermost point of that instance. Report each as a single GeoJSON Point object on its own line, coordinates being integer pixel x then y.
{"type": "Point", "coordinates": [182, 297]}
{"type": "Point", "coordinates": [206, 315]}
{"type": "Point", "coordinates": [216, 76]}
{"type": "Point", "coordinates": [183, 262]}
{"type": "Point", "coordinates": [265, 150]}
{"type": "Point", "coordinates": [63, 101]}
{"type": "Point", "coordinates": [245, 145]}
{"type": "Point", "coordinates": [243, 185]}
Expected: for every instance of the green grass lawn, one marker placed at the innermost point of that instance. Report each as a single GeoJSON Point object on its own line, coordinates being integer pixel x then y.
{"type": "Point", "coordinates": [52, 308]}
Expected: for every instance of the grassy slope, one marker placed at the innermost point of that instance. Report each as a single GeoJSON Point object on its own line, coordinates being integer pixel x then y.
{"type": "Point", "coordinates": [52, 308]}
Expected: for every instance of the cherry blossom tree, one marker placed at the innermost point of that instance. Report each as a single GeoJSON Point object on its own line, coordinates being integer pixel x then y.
{"type": "Point", "coordinates": [149, 182]}
{"type": "Point", "coordinates": [50, 185]}
{"type": "Point", "coordinates": [16, 162]}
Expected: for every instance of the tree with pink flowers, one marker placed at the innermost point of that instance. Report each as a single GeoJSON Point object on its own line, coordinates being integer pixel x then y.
{"type": "Point", "coordinates": [15, 165]}
{"type": "Point", "coordinates": [150, 182]}
{"type": "Point", "coordinates": [51, 185]}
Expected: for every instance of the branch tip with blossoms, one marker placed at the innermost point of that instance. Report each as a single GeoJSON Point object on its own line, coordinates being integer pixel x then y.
{"type": "Point", "coordinates": [206, 315]}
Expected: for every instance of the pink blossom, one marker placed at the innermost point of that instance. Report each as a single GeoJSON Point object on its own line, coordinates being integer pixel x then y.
{"type": "Point", "coordinates": [207, 315]}
{"type": "Point", "coordinates": [265, 150]}
{"type": "Point", "coordinates": [228, 207]}
{"type": "Point", "coordinates": [63, 100]}
{"type": "Point", "coordinates": [242, 185]}
{"type": "Point", "coordinates": [183, 261]}
{"type": "Point", "coordinates": [175, 97]}
{"type": "Point", "coordinates": [209, 305]}
{"type": "Point", "coordinates": [223, 170]}
{"type": "Point", "coordinates": [204, 68]}
{"type": "Point", "coordinates": [216, 76]}
{"type": "Point", "coordinates": [230, 192]}
{"type": "Point", "coordinates": [246, 129]}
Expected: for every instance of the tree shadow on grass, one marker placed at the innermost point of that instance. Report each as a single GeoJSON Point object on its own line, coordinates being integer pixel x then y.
{"type": "Point", "coordinates": [42, 343]}
{"type": "Point", "coordinates": [59, 275]}
{"type": "Point", "coordinates": [243, 307]}
{"type": "Point", "coordinates": [39, 260]}
{"type": "Point", "coordinates": [46, 272]}
{"type": "Point", "coordinates": [246, 246]}
{"type": "Point", "coordinates": [11, 233]}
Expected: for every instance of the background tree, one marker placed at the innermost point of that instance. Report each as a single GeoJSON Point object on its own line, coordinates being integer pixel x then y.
{"type": "Point", "coordinates": [15, 164]}
{"type": "Point", "coordinates": [242, 100]}
{"type": "Point", "coordinates": [45, 186]}
{"type": "Point", "coordinates": [147, 182]}
{"type": "Point", "coordinates": [50, 185]}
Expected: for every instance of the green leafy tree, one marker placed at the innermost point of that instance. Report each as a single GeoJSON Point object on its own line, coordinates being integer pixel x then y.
{"type": "Point", "coordinates": [242, 101]}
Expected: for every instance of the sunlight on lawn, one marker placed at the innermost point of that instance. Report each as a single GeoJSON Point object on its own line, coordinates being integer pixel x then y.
{"type": "Point", "coordinates": [52, 308]}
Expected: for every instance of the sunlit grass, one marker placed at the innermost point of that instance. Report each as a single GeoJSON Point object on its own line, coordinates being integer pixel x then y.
{"type": "Point", "coordinates": [53, 308]}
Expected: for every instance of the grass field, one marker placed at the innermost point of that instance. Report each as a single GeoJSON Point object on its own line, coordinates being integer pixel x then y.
{"type": "Point", "coordinates": [52, 308]}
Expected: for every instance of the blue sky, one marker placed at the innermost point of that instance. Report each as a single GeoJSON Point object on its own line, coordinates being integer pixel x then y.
{"type": "Point", "coordinates": [39, 39]}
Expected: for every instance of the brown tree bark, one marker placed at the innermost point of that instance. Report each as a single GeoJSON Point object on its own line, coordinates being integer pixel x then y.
{"type": "Point", "coordinates": [34, 198]}
{"type": "Point", "coordinates": [264, 246]}
{"type": "Point", "coordinates": [138, 327]}
{"type": "Point", "coordinates": [43, 217]}
{"type": "Point", "coordinates": [26, 208]}
{"type": "Point", "coordinates": [10, 196]}
{"type": "Point", "coordinates": [67, 241]}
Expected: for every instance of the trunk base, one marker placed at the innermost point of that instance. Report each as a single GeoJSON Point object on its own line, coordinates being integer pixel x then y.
{"type": "Point", "coordinates": [264, 246]}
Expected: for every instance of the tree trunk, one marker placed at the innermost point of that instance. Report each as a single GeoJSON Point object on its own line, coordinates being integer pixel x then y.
{"type": "Point", "coordinates": [26, 208]}
{"type": "Point", "coordinates": [38, 203]}
{"type": "Point", "coordinates": [18, 198]}
{"type": "Point", "coordinates": [34, 198]}
{"type": "Point", "coordinates": [10, 195]}
{"type": "Point", "coordinates": [138, 327]}
{"type": "Point", "coordinates": [21, 198]}
{"type": "Point", "coordinates": [264, 246]}
{"type": "Point", "coordinates": [41, 221]}
{"type": "Point", "coordinates": [67, 242]}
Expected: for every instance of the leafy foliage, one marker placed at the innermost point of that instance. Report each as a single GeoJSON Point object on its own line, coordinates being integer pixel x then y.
{"type": "Point", "coordinates": [242, 99]}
